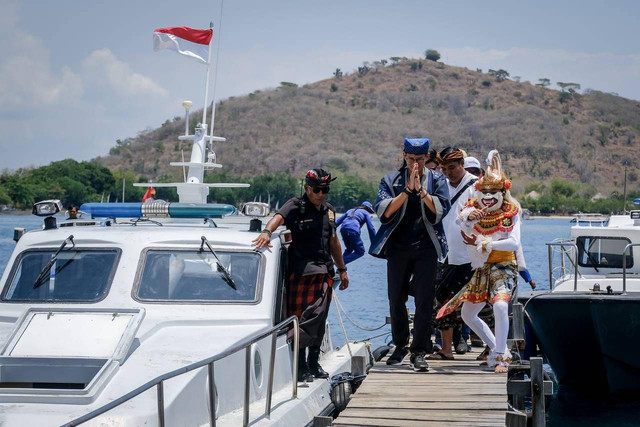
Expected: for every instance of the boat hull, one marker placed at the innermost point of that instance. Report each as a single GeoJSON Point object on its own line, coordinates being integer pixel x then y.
{"type": "Point", "coordinates": [590, 339]}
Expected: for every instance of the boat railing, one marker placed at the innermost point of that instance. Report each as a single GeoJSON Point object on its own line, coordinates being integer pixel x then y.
{"type": "Point", "coordinates": [590, 220]}
{"type": "Point", "coordinates": [158, 382]}
{"type": "Point", "coordinates": [624, 265]}
{"type": "Point", "coordinates": [568, 251]}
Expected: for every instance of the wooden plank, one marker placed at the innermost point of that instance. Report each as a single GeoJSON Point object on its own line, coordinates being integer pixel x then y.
{"type": "Point", "coordinates": [453, 393]}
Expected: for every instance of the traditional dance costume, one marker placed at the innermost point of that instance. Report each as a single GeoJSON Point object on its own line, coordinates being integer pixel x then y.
{"type": "Point", "coordinates": [497, 238]}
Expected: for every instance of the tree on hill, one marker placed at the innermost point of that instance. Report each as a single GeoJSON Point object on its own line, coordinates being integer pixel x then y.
{"type": "Point", "coordinates": [362, 71]}
{"type": "Point", "coordinates": [432, 55]}
{"type": "Point", "coordinates": [543, 82]}
{"type": "Point", "coordinates": [569, 87]}
{"type": "Point", "coordinates": [395, 60]}
{"type": "Point", "coordinates": [500, 74]}
{"type": "Point", "coordinates": [338, 74]}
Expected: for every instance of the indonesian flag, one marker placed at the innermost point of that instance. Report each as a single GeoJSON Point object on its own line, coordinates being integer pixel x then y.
{"type": "Point", "coordinates": [150, 194]}
{"type": "Point", "coordinates": [184, 40]}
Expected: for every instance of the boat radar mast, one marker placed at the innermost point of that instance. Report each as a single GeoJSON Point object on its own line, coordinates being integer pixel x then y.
{"type": "Point", "coordinates": [194, 189]}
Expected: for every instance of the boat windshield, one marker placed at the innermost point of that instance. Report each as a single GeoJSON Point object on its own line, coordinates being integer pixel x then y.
{"type": "Point", "coordinates": [603, 252]}
{"type": "Point", "coordinates": [175, 275]}
{"type": "Point", "coordinates": [77, 275]}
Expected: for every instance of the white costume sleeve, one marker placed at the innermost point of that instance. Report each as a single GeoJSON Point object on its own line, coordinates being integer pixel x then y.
{"type": "Point", "coordinates": [511, 243]}
{"type": "Point", "coordinates": [522, 265]}
{"type": "Point", "coordinates": [463, 220]}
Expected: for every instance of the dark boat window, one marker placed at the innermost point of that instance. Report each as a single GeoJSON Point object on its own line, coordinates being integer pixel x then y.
{"type": "Point", "coordinates": [603, 252]}
{"type": "Point", "coordinates": [194, 276]}
{"type": "Point", "coordinates": [76, 276]}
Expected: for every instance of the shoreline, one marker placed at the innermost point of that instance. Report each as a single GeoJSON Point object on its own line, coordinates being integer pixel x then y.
{"type": "Point", "coordinates": [551, 217]}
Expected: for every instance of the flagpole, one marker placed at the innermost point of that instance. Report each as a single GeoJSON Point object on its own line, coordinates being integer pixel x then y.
{"type": "Point", "coordinates": [206, 86]}
{"type": "Point", "coordinates": [215, 71]}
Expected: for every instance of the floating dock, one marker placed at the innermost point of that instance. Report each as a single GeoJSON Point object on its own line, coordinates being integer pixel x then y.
{"type": "Point", "coordinates": [453, 393]}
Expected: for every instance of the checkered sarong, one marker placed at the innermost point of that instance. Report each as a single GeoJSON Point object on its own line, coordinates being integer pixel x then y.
{"type": "Point", "coordinates": [305, 291]}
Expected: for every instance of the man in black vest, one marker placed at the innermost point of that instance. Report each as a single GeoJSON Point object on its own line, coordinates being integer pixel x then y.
{"type": "Point", "coordinates": [314, 249]}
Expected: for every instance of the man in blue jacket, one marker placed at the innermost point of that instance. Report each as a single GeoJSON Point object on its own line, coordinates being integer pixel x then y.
{"type": "Point", "coordinates": [350, 224]}
{"type": "Point", "coordinates": [411, 204]}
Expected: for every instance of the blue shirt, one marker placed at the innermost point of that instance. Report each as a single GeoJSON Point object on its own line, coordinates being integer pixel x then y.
{"type": "Point", "coordinates": [354, 223]}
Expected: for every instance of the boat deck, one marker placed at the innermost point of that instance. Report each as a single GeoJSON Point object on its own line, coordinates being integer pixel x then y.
{"type": "Point", "coordinates": [453, 393]}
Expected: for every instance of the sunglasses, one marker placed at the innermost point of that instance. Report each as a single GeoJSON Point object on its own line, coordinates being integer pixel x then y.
{"type": "Point", "coordinates": [324, 190]}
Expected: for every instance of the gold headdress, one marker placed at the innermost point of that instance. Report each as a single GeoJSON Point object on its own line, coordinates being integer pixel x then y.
{"type": "Point", "coordinates": [494, 178]}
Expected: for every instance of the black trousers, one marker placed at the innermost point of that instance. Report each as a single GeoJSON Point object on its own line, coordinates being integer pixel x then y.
{"type": "Point", "coordinates": [422, 264]}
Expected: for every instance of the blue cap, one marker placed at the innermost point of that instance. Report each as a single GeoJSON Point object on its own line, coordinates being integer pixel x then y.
{"type": "Point", "coordinates": [368, 205]}
{"type": "Point", "coordinates": [416, 145]}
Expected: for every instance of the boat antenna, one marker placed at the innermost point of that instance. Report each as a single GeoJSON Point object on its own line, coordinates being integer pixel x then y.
{"type": "Point", "coordinates": [215, 73]}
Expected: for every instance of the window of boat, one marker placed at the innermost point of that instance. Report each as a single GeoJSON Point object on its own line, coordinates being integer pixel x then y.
{"type": "Point", "coordinates": [173, 275]}
{"type": "Point", "coordinates": [603, 252]}
{"type": "Point", "coordinates": [77, 275]}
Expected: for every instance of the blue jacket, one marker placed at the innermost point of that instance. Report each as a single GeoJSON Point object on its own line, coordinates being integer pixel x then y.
{"type": "Point", "coordinates": [354, 223]}
{"type": "Point", "coordinates": [392, 185]}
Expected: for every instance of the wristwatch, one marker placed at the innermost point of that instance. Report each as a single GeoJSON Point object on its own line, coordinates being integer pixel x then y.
{"type": "Point", "coordinates": [342, 270]}
{"type": "Point", "coordinates": [407, 191]}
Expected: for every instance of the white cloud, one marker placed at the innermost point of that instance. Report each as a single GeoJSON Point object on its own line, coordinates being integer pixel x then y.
{"type": "Point", "coordinates": [103, 68]}
{"type": "Point", "coordinates": [604, 71]}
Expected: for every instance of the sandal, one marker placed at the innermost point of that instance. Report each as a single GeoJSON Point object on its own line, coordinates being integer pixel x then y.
{"type": "Point", "coordinates": [484, 354]}
{"type": "Point", "coordinates": [439, 356]}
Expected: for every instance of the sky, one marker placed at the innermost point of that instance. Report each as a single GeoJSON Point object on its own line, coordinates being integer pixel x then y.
{"type": "Point", "coordinates": [76, 75]}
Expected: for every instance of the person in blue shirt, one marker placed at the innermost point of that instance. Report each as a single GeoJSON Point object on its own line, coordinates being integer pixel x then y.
{"type": "Point", "coordinates": [350, 224]}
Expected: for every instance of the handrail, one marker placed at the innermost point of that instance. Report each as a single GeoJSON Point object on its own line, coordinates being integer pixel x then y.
{"type": "Point", "coordinates": [624, 265]}
{"type": "Point", "coordinates": [246, 344]}
{"type": "Point", "coordinates": [562, 245]}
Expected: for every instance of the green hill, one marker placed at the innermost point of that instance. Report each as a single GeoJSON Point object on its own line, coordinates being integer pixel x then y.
{"type": "Point", "coordinates": [355, 124]}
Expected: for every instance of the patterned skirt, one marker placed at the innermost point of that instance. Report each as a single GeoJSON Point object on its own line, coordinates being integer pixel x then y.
{"type": "Point", "coordinates": [490, 283]}
{"type": "Point", "coordinates": [307, 290]}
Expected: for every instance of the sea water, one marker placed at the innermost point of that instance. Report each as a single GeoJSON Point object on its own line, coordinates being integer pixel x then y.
{"type": "Point", "coordinates": [366, 302]}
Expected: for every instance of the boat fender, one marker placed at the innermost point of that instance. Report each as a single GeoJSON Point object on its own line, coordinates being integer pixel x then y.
{"type": "Point", "coordinates": [380, 352]}
{"type": "Point", "coordinates": [340, 391]}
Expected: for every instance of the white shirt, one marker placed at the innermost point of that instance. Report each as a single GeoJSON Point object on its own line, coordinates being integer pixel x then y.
{"type": "Point", "coordinates": [458, 254]}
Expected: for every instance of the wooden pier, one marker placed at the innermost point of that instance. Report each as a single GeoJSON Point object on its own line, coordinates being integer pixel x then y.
{"type": "Point", "coordinates": [453, 393]}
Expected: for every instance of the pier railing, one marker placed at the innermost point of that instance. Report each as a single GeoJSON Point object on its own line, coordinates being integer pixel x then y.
{"type": "Point", "coordinates": [158, 382]}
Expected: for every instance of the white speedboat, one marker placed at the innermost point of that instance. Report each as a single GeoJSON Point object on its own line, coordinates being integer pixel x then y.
{"type": "Point", "coordinates": [588, 324]}
{"type": "Point", "coordinates": [157, 314]}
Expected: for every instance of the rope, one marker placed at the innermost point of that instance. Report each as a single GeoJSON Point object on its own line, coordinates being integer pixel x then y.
{"type": "Point", "coordinates": [370, 338]}
{"type": "Point", "coordinates": [344, 331]}
{"type": "Point", "coordinates": [339, 307]}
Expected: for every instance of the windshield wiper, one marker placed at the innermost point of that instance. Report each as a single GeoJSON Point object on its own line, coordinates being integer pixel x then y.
{"type": "Point", "coordinates": [45, 270]}
{"type": "Point", "coordinates": [221, 268]}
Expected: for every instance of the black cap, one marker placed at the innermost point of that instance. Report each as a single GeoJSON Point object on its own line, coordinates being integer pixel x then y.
{"type": "Point", "coordinates": [318, 178]}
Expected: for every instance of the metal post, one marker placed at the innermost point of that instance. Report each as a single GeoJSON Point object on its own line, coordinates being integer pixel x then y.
{"type": "Point", "coordinates": [550, 250]}
{"type": "Point", "coordinates": [206, 86]}
{"type": "Point", "coordinates": [247, 385]}
{"type": "Point", "coordinates": [624, 270]}
{"type": "Point", "coordinates": [212, 395]}
{"type": "Point", "coordinates": [296, 351]}
{"type": "Point", "coordinates": [272, 363]}
{"type": "Point", "coordinates": [575, 274]}
{"type": "Point", "coordinates": [160, 392]}
{"type": "Point", "coordinates": [537, 391]}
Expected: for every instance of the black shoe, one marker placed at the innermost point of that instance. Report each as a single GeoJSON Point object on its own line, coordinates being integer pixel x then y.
{"type": "Point", "coordinates": [312, 362]}
{"type": "Point", "coordinates": [304, 375]}
{"type": "Point", "coordinates": [418, 363]}
{"type": "Point", "coordinates": [398, 356]}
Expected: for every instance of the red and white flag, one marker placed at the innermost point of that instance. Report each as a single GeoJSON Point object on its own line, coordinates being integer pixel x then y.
{"type": "Point", "coordinates": [184, 40]}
